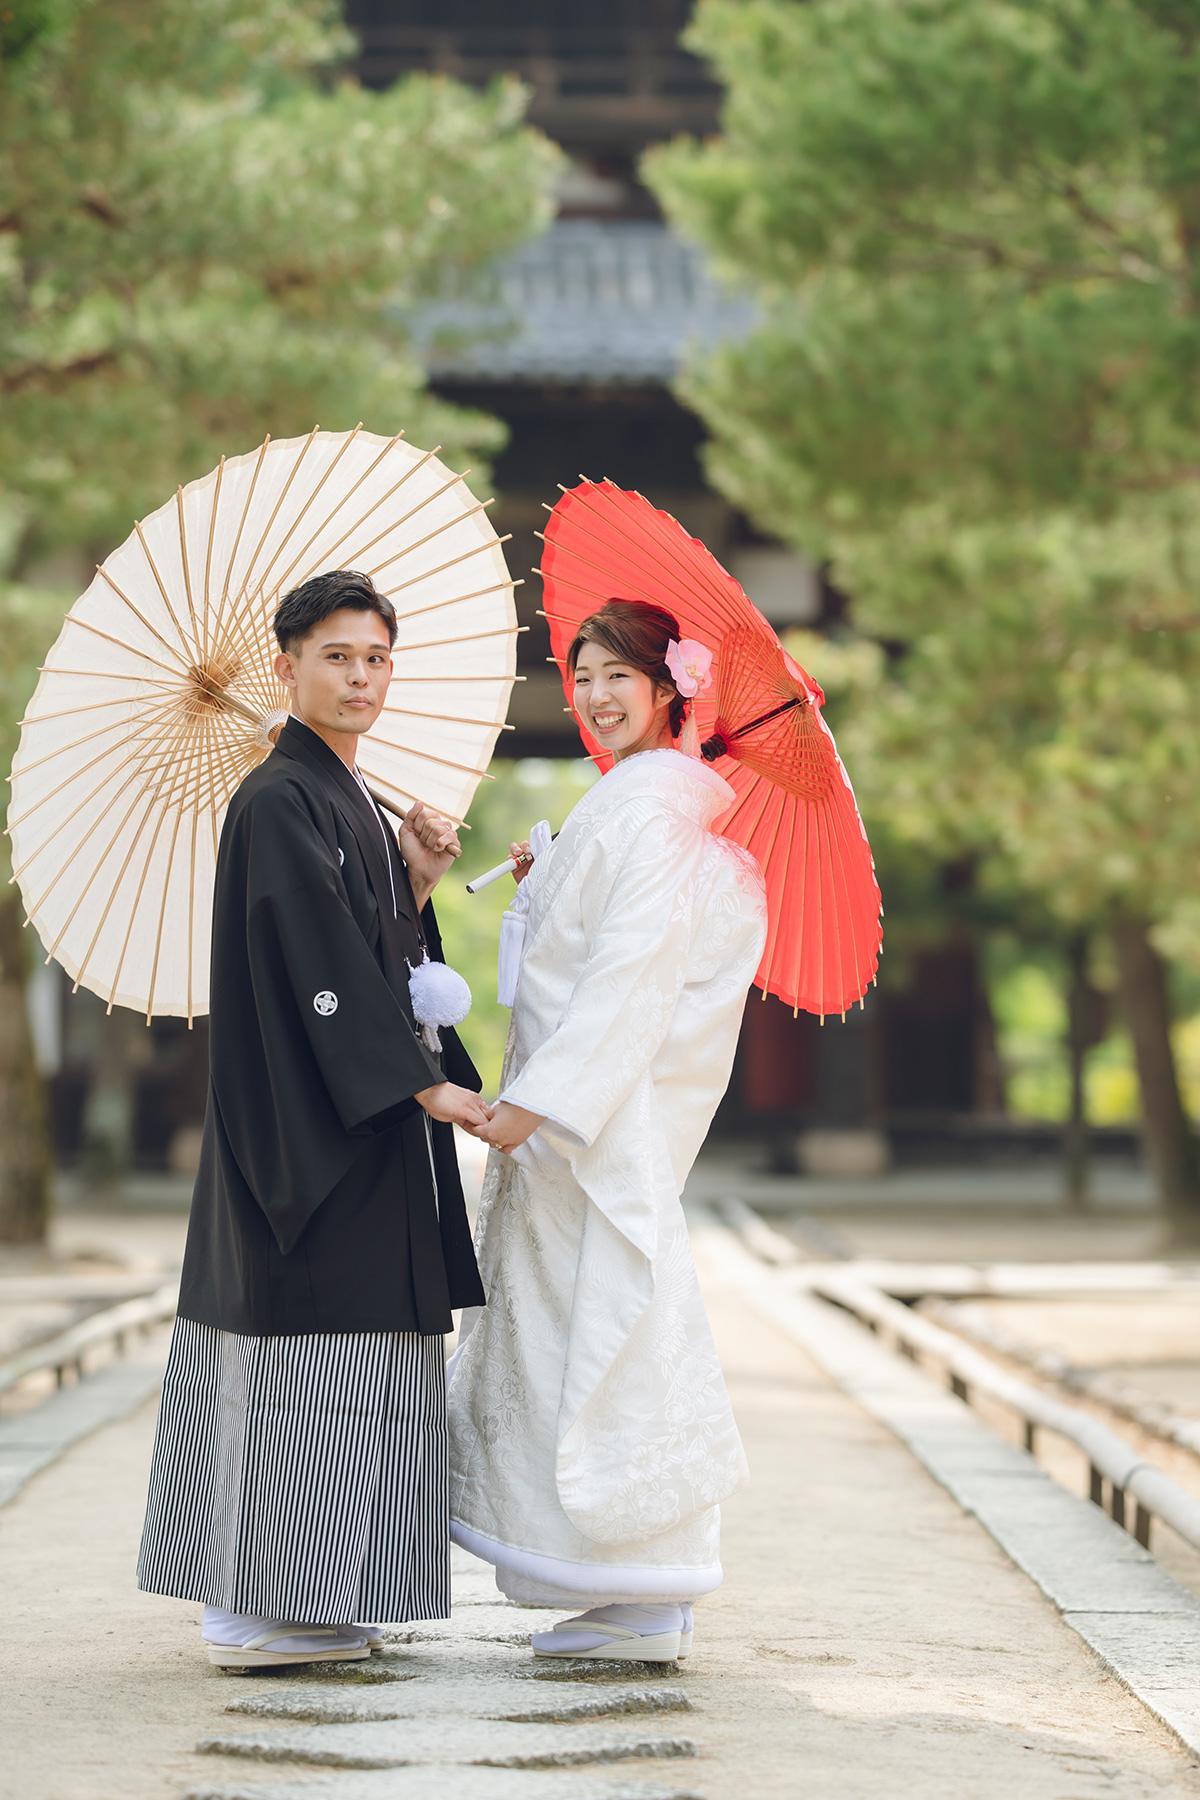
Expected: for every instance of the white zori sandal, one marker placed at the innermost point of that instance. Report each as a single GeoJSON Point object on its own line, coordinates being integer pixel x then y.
{"type": "Point", "coordinates": [621, 1633]}
{"type": "Point", "coordinates": [288, 1643]}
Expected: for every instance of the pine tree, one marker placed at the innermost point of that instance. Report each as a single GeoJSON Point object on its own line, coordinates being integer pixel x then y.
{"type": "Point", "coordinates": [209, 232]}
{"type": "Point", "coordinates": [974, 233]}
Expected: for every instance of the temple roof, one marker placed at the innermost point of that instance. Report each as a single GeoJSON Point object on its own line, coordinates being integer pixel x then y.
{"type": "Point", "coordinates": [588, 301]}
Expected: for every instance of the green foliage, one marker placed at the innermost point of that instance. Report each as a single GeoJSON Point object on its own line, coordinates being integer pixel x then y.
{"type": "Point", "coordinates": [974, 233]}
{"type": "Point", "coordinates": [1027, 995]}
{"type": "Point", "coordinates": [29, 620]}
{"type": "Point", "coordinates": [207, 233]}
{"type": "Point", "coordinates": [24, 22]}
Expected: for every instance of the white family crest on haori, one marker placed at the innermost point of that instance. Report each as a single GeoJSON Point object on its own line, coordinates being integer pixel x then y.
{"type": "Point", "coordinates": [591, 1434]}
{"type": "Point", "coordinates": [160, 693]}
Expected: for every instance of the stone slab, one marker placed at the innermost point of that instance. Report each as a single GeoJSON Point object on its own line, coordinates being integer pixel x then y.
{"type": "Point", "coordinates": [460, 1659]}
{"type": "Point", "coordinates": [1156, 1658]}
{"type": "Point", "coordinates": [32, 1440]}
{"type": "Point", "coordinates": [443, 1782]}
{"type": "Point", "coordinates": [392, 1744]}
{"type": "Point", "coordinates": [489, 1621]}
{"type": "Point", "coordinates": [1077, 1556]}
{"type": "Point", "coordinates": [510, 1701]}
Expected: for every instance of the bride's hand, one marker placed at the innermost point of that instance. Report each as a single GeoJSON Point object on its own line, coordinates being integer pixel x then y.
{"type": "Point", "coordinates": [521, 850]}
{"type": "Point", "coordinates": [509, 1127]}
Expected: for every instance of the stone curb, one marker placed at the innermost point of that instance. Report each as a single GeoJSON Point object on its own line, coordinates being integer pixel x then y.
{"type": "Point", "coordinates": [32, 1440]}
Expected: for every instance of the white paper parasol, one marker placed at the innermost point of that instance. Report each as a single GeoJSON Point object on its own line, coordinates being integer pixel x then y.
{"type": "Point", "coordinates": [159, 694]}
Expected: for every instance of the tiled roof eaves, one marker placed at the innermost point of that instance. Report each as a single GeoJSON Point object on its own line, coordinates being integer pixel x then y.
{"type": "Point", "coordinates": [588, 302]}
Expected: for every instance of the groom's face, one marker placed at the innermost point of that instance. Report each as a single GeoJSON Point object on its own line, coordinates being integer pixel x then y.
{"type": "Point", "coordinates": [339, 673]}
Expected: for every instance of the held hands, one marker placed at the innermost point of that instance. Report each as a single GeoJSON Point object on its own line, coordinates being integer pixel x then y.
{"type": "Point", "coordinates": [456, 1106]}
{"type": "Point", "coordinates": [428, 844]}
{"type": "Point", "coordinates": [509, 1127]}
{"type": "Point", "coordinates": [502, 1126]}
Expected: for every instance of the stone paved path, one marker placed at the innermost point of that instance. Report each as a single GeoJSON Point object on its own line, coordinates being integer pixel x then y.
{"type": "Point", "coordinates": [463, 1692]}
{"type": "Point", "coordinates": [870, 1640]}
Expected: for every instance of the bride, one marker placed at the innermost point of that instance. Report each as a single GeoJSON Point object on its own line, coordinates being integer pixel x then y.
{"type": "Point", "coordinates": [591, 1434]}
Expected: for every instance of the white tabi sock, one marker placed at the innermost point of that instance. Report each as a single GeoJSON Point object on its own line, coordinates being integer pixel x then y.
{"type": "Point", "coordinates": [231, 1630]}
{"type": "Point", "coordinates": [372, 1633]}
{"type": "Point", "coordinates": [649, 1619]}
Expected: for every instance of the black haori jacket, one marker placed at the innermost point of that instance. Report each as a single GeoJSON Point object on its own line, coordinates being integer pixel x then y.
{"type": "Point", "coordinates": [315, 1208]}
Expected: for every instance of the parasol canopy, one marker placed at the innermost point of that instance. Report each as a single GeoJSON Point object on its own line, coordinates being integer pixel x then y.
{"type": "Point", "coordinates": [160, 695]}
{"type": "Point", "coordinates": [795, 809]}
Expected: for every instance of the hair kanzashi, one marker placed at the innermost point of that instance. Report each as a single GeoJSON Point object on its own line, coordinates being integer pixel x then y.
{"type": "Point", "coordinates": [337, 590]}
{"type": "Point", "coordinates": [638, 632]}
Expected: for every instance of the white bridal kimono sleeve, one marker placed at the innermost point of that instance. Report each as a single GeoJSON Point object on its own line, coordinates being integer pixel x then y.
{"type": "Point", "coordinates": [591, 1433]}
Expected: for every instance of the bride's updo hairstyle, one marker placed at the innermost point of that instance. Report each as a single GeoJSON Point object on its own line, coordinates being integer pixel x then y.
{"type": "Point", "coordinates": [638, 632]}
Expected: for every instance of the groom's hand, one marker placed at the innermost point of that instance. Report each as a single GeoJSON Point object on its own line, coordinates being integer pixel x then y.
{"type": "Point", "coordinates": [428, 844]}
{"type": "Point", "coordinates": [455, 1106]}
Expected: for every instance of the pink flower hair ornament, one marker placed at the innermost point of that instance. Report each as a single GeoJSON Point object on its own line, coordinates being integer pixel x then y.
{"type": "Point", "coordinates": [690, 663]}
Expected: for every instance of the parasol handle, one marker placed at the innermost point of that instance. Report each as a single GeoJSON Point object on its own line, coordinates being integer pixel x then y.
{"type": "Point", "coordinates": [718, 744]}
{"type": "Point", "coordinates": [228, 703]}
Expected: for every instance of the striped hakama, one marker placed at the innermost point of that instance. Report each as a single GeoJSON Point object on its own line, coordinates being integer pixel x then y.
{"type": "Point", "coordinates": [301, 1478]}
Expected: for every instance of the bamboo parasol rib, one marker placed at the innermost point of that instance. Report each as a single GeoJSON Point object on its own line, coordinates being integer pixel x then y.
{"type": "Point", "coordinates": [125, 767]}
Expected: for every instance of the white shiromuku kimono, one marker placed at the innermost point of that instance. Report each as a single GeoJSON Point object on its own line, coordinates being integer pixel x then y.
{"type": "Point", "coordinates": [591, 1434]}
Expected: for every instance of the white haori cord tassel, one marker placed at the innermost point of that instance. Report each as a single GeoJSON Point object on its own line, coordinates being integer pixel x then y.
{"type": "Point", "coordinates": [439, 996]}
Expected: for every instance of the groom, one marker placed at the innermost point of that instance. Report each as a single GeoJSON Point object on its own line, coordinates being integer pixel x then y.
{"type": "Point", "coordinates": [299, 1479]}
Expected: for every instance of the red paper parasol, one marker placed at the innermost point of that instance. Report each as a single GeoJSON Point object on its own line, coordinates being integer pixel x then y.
{"type": "Point", "coordinates": [795, 808]}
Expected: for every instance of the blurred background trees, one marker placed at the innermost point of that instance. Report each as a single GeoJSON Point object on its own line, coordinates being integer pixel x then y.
{"type": "Point", "coordinates": [973, 233]}
{"type": "Point", "coordinates": [945, 416]}
{"type": "Point", "coordinates": [208, 232]}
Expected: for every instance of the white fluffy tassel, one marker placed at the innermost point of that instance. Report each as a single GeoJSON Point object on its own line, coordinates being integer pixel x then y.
{"type": "Point", "coordinates": [439, 996]}
{"type": "Point", "coordinates": [689, 737]}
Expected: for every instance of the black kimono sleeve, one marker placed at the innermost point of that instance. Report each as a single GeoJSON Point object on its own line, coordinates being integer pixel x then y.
{"type": "Point", "coordinates": [318, 1054]}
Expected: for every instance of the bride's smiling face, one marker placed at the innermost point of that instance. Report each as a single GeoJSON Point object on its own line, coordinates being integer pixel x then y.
{"type": "Point", "coordinates": [619, 705]}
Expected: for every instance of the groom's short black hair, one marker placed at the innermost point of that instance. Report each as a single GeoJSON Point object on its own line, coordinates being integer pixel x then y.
{"type": "Point", "coordinates": [337, 590]}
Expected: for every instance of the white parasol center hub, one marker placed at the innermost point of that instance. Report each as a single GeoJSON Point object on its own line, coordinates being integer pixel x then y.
{"type": "Point", "coordinates": [268, 727]}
